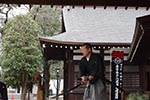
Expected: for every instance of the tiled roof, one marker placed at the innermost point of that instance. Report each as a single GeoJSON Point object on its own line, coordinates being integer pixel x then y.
{"type": "Point", "coordinates": [99, 25]}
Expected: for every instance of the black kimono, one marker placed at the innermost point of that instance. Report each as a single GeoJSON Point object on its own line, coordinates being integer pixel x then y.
{"type": "Point", "coordinates": [3, 92]}
{"type": "Point", "coordinates": [94, 67]}
{"type": "Point", "coordinates": [96, 89]}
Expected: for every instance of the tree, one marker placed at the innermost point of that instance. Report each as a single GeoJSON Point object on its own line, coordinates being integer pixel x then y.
{"type": "Point", "coordinates": [56, 64]}
{"type": "Point", "coordinates": [49, 21]}
{"type": "Point", "coordinates": [137, 96]}
{"type": "Point", "coordinates": [4, 12]}
{"type": "Point", "coordinates": [21, 55]}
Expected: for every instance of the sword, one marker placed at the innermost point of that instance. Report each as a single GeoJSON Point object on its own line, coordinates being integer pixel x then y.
{"type": "Point", "coordinates": [109, 82]}
{"type": "Point", "coordinates": [67, 91]}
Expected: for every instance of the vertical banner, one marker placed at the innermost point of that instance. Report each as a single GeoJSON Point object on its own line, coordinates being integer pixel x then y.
{"type": "Point", "coordinates": [116, 74]}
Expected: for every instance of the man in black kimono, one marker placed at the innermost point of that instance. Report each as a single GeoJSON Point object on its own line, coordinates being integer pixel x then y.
{"type": "Point", "coordinates": [92, 73]}
{"type": "Point", "coordinates": [3, 91]}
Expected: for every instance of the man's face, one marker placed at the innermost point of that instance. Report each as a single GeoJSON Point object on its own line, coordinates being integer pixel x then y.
{"type": "Point", "coordinates": [85, 51]}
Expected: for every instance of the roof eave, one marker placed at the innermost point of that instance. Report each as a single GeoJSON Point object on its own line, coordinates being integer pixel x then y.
{"type": "Point", "coordinates": [45, 40]}
{"type": "Point", "coordinates": [139, 40]}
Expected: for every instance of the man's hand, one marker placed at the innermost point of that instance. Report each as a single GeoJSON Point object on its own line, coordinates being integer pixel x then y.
{"type": "Point", "coordinates": [91, 77]}
{"type": "Point", "coordinates": [84, 79]}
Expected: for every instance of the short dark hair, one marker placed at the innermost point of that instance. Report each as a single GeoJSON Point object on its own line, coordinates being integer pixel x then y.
{"type": "Point", "coordinates": [87, 45]}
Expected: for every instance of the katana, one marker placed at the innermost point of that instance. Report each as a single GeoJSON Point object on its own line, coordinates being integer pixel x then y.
{"type": "Point", "coordinates": [69, 90]}
{"type": "Point", "coordinates": [109, 82]}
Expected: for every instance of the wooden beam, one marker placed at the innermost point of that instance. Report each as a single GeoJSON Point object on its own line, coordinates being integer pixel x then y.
{"type": "Point", "coordinates": [130, 3]}
{"type": "Point", "coordinates": [68, 72]}
{"type": "Point", "coordinates": [143, 77]}
{"type": "Point", "coordinates": [140, 44]}
{"type": "Point", "coordinates": [70, 43]}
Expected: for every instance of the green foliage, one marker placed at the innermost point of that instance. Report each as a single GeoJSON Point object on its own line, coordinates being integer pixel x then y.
{"type": "Point", "coordinates": [21, 51]}
{"type": "Point", "coordinates": [49, 19]}
{"type": "Point", "coordinates": [53, 65]}
{"type": "Point", "coordinates": [21, 55]}
{"type": "Point", "coordinates": [137, 96]}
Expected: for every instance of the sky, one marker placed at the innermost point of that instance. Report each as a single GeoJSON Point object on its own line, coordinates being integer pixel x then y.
{"type": "Point", "coordinates": [23, 9]}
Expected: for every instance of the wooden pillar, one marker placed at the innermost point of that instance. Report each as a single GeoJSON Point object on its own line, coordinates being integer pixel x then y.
{"type": "Point", "coordinates": [46, 74]}
{"type": "Point", "coordinates": [148, 78]}
{"type": "Point", "coordinates": [102, 53]}
{"type": "Point", "coordinates": [143, 77]}
{"type": "Point", "coordinates": [68, 72]}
